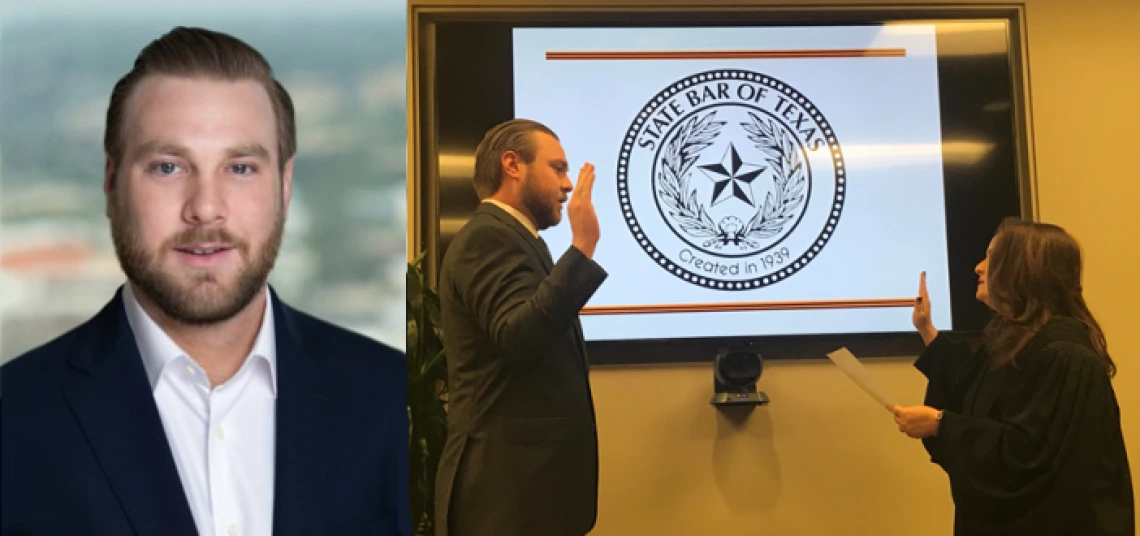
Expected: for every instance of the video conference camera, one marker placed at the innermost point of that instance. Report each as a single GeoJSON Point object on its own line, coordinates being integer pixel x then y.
{"type": "Point", "coordinates": [735, 372]}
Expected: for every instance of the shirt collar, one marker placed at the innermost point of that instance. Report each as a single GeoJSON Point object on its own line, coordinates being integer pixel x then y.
{"type": "Point", "coordinates": [518, 215]}
{"type": "Point", "coordinates": [158, 350]}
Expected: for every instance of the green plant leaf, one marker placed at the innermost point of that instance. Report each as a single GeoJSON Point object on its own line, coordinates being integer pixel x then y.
{"type": "Point", "coordinates": [427, 384]}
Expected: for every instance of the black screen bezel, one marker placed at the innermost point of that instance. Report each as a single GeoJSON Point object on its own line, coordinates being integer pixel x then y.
{"type": "Point", "coordinates": [471, 82]}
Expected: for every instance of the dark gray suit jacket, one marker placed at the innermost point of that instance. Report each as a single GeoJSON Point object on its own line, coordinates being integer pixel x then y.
{"type": "Point", "coordinates": [521, 454]}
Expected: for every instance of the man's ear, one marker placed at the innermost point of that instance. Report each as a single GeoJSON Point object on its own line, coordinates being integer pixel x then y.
{"type": "Point", "coordinates": [108, 183]}
{"type": "Point", "coordinates": [287, 182]}
{"type": "Point", "coordinates": [513, 166]}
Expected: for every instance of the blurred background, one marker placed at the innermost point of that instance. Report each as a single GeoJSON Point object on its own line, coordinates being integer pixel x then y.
{"type": "Point", "coordinates": [343, 61]}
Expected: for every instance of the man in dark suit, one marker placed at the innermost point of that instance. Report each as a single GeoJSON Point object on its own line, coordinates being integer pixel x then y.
{"type": "Point", "coordinates": [521, 454]}
{"type": "Point", "coordinates": [196, 402]}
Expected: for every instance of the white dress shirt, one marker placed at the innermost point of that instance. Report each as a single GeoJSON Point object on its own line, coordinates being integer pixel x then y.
{"type": "Point", "coordinates": [222, 439]}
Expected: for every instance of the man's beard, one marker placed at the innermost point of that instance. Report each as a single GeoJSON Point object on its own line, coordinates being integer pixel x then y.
{"type": "Point", "coordinates": [546, 213]}
{"type": "Point", "coordinates": [194, 302]}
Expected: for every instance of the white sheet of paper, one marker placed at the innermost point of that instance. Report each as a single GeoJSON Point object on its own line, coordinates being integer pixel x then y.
{"type": "Point", "coordinates": [860, 375]}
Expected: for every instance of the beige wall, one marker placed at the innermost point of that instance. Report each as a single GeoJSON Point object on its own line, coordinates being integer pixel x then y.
{"type": "Point", "coordinates": [822, 459]}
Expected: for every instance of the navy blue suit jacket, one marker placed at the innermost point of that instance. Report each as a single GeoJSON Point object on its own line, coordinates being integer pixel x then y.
{"type": "Point", "coordinates": [82, 448]}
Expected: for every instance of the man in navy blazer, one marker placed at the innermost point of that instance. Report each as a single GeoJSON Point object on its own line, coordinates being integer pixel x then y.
{"type": "Point", "coordinates": [196, 402]}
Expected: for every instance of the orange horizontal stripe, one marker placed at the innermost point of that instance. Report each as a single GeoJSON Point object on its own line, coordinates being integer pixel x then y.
{"type": "Point", "coordinates": [727, 54]}
{"type": "Point", "coordinates": [746, 306]}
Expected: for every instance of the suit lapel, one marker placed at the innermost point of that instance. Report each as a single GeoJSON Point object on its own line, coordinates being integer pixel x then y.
{"type": "Point", "coordinates": [537, 246]}
{"type": "Point", "coordinates": [540, 249]}
{"type": "Point", "coordinates": [544, 254]}
{"type": "Point", "coordinates": [108, 391]}
{"type": "Point", "coordinates": [307, 424]}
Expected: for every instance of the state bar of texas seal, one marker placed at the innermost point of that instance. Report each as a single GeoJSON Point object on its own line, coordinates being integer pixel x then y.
{"type": "Point", "coordinates": [731, 180]}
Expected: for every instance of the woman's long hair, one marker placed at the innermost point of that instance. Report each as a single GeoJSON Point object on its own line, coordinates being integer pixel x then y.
{"type": "Point", "coordinates": [1034, 274]}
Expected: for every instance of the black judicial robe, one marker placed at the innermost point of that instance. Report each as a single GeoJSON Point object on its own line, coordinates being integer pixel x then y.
{"type": "Point", "coordinates": [1031, 449]}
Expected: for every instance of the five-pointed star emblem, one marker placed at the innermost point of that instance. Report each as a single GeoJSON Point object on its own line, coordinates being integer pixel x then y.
{"type": "Point", "coordinates": [732, 177]}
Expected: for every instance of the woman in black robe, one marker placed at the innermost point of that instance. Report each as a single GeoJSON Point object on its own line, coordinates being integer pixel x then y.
{"type": "Point", "coordinates": [1027, 427]}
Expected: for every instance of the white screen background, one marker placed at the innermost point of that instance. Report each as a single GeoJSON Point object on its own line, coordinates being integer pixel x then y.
{"type": "Point", "coordinates": [885, 113]}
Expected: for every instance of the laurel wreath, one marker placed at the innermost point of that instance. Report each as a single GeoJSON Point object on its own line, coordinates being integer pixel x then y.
{"type": "Point", "coordinates": [787, 173]}
{"type": "Point", "coordinates": [696, 134]}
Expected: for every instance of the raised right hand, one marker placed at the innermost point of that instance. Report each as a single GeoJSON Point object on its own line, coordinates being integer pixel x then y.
{"type": "Point", "coordinates": [580, 211]}
{"type": "Point", "coordinates": [921, 315]}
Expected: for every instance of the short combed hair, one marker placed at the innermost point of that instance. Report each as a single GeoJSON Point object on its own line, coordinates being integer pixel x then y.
{"type": "Point", "coordinates": [201, 53]}
{"type": "Point", "coordinates": [515, 135]}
